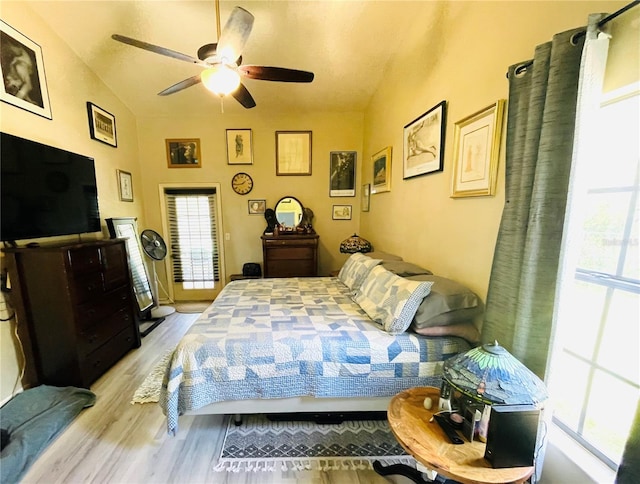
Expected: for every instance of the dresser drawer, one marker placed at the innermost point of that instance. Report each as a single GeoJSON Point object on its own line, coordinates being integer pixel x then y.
{"type": "Point", "coordinates": [90, 339]}
{"type": "Point", "coordinates": [98, 309]}
{"type": "Point", "coordinates": [88, 286]}
{"type": "Point", "coordinates": [284, 241]}
{"type": "Point", "coordinates": [291, 253]}
{"type": "Point", "coordinates": [99, 361]}
{"type": "Point", "coordinates": [84, 260]}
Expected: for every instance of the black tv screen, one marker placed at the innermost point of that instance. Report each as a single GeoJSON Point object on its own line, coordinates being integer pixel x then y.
{"type": "Point", "coordinates": [46, 191]}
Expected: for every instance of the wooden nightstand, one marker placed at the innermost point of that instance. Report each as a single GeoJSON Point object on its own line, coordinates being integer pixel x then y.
{"type": "Point", "coordinates": [428, 444]}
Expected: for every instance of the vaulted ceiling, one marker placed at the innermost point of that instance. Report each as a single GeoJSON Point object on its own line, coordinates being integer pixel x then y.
{"type": "Point", "coordinates": [346, 43]}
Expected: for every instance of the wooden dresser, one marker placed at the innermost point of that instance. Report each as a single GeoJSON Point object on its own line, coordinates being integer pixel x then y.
{"type": "Point", "coordinates": [74, 308]}
{"type": "Point", "coordinates": [290, 255]}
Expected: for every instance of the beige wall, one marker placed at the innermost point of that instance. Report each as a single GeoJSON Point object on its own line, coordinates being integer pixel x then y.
{"type": "Point", "coordinates": [70, 84]}
{"type": "Point", "coordinates": [459, 54]}
{"type": "Point", "coordinates": [330, 132]}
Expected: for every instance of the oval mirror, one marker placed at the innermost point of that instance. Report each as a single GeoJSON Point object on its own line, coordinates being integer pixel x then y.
{"type": "Point", "coordinates": [289, 211]}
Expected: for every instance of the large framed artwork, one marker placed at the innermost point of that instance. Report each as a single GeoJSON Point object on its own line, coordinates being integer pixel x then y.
{"type": "Point", "coordinates": [102, 125]}
{"type": "Point", "coordinates": [183, 153]}
{"type": "Point", "coordinates": [381, 164]}
{"type": "Point", "coordinates": [22, 66]}
{"type": "Point", "coordinates": [342, 169]}
{"type": "Point", "coordinates": [423, 142]}
{"type": "Point", "coordinates": [293, 153]}
{"type": "Point", "coordinates": [477, 141]}
{"type": "Point", "coordinates": [239, 147]}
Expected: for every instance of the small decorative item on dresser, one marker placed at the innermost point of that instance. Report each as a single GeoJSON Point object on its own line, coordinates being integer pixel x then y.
{"type": "Point", "coordinates": [355, 244]}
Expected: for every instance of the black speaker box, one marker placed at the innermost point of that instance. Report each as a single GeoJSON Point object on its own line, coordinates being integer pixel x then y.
{"type": "Point", "coordinates": [511, 437]}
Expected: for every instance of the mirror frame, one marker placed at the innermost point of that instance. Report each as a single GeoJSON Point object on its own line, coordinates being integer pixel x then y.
{"type": "Point", "coordinates": [299, 203]}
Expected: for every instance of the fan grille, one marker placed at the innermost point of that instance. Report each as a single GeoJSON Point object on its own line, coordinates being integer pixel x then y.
{"type": "Point", "coordinates": [153, 244]}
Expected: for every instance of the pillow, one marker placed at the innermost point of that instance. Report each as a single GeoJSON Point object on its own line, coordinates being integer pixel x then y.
{"type": "Point", "coordinates": [449, 302]}
{"type": "Point", "coordinates": [378, 254]}
{"type": "Point", "coordinates": [467, 331]}
{"type": "Point", "coordinates": [355, 269]}
{"type": "Point", "coordinates": [404, 269]}
{"type": "Point", "coordinates": [391, 300]}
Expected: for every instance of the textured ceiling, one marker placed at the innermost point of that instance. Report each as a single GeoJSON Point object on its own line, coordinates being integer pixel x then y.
{"type": "Point", "coordinates": [346, 43]}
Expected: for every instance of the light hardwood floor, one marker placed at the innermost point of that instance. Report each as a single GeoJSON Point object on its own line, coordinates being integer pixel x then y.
{"type": "Point", "coordinates": [117, 442]}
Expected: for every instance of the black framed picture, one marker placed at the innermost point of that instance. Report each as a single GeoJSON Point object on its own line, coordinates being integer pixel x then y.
{"type": "Point", "coordinates": [423, 142]}
{"type": "Point", "coordinates": [102, 125]}
{"type": "Point", "coordinates": [342, 169]}
{"type": "Point", "coordinates": [24, 82]}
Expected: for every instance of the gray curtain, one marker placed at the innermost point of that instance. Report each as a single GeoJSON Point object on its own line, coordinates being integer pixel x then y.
{"type": "Point", "coordinates": [629, 470]}
{"type": "Point", "coordinates": [540, 131]}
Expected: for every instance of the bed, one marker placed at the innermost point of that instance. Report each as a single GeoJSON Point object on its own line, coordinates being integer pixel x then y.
{"type": "Point", "coordinates": [298, 345]}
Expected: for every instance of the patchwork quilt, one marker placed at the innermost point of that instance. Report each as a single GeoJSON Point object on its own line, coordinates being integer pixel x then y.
{"type": "Point", "coordinates": [292, 337]}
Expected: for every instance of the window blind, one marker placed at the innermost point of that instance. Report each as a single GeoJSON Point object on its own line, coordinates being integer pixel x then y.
{"type": "Point", "coordinates": [193, 235]}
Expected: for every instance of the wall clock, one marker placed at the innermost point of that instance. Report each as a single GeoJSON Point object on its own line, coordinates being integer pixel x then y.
{"type": "Point", "coordinates": [241, 183]}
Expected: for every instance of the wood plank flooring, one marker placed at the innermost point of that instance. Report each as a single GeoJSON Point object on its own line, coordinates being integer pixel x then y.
{"type": "Point", "coordinates": [117, 442]}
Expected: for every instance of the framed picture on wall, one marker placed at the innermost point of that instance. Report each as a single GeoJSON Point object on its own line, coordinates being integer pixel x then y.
{"type": "Point", "coordinates": [477, 141]}
{"type": "Point", "coordinates": [125, 186]}
{"type": "Point", "coordinates": [257, 207]}
{"type": "Point", "coordinates": [366, 197]}
{"type": "Point", "coordinates": [341, 212]}
{"type": "Point", "coordinates": [342, 174]}
{"type": "Point", "coordinates": [423, 143]}
{"type": "Point", "coordinates": [293, 153]}
{"type": "Point", "coordinates": [239, 147]}
{"type": "Point", "coordinates": [102, 125]}
{"type": "Point", "coordinates": [183, 153]}
{"type": "Point", "coordinates": [381, 165]}
{"type": "Point", "coordinates": [24, 82]}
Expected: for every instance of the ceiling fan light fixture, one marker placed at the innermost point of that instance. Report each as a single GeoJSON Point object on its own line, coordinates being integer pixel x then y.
{"type": "Point", "coordinates": [220, 79]}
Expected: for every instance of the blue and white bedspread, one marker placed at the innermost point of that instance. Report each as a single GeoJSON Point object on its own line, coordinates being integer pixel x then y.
{"type": "Point", "coordinates": [291, 337]}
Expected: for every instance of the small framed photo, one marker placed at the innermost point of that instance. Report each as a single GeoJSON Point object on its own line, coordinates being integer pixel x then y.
{"type": "Point", "coordinates": [381, 164]}
{"type": "Point", "coordinates": [423, 142]}
{"type": "Point", "coordinates": [342, 169]}
{"type": "Point", "coordinates": [22, 68]}
{"type": "Point", "coordinates": [125, 186]}
{"type": "Point", "coordinates": [341, 212]}
{"type": "Point", "coordinates": [102, 125]}
{"type": "Point", "coordinates": [366, 197]}
{"type": "Point", "coordinates": [257, 207]}
{"type": "Point", "coordinates": [293, 153]}
{"type": "Point", "coordinates": [477, 141]}
{"type": "Point", "coordinates": [183, 153]}
{"type": "Point", "coordinates": [239, 147]}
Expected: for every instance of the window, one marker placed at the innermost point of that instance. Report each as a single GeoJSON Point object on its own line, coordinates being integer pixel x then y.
{"type": "Point", "coordinates": [595, 370]}
{"type": "Point", "coordinates": [192, 228]}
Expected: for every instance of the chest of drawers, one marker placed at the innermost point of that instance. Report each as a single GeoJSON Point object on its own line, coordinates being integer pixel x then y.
{"type": "Point", "coordinates": [75, 311]}
{"type": "Point", "coordinates": [290, 255]}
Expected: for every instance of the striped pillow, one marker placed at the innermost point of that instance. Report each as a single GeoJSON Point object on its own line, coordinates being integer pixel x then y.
{"type": "Point", "coordinates": [390, 300]}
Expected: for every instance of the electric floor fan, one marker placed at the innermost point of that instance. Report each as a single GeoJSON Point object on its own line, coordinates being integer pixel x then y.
{"type": "Point", "coordinates": [156, 249]}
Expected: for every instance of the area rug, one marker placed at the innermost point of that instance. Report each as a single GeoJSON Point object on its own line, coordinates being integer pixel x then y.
{"type": "Point", "coordinates": [149, 390]}
{"type": "Point", "coordinates": [262, 445]}
{"type": "Point", "coordinates": [190, 307]}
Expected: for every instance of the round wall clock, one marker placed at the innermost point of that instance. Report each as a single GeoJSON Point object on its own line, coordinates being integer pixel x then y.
{"type": "Point", "coordinates": [242, 183]}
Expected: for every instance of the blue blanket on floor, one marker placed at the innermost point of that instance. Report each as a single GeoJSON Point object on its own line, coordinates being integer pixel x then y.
{"type": "Point", "coordinates": [33, 419]}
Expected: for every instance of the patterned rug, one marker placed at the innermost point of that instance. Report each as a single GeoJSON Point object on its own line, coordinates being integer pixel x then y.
{"type": "Point", "coordinates": [149, 390]}
{"type": "Point", "coordinates": [262, 445]}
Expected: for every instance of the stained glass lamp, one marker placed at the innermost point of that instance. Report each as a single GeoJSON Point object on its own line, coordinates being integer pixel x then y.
{"type": "Point", "coordinates": [491, 375]}
{"type": "Point", "coordinates": [355, 244]}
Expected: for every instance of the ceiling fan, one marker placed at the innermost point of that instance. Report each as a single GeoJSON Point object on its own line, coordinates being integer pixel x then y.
{"type": "Point", "coordinates": [222, 62]}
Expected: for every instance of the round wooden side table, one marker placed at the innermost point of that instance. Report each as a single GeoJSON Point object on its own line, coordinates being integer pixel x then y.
{"type": "Point", "coordinates": [411, 424]}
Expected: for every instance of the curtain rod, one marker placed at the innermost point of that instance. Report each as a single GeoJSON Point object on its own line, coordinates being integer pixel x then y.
{"type": "Point", "coordinates": [601, 23]}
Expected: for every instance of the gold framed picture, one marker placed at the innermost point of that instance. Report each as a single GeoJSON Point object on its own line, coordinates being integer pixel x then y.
{"type": "Point", "coordinates": [257, 207]}
{"type": "Point", "coordinates": [239, 147]}
{"type": "Point", "coordinates": [381, 164]}
{"type": "Point", "coordinates": [125, 186]}
{"type": "Point", "coordinates": [366, 197]}
{"type": "Point", "coordinates": [477, 141]}
{"type": "Point", "coordinates": [183, 153]}
{"type": "Point", "coordinates": [341, 212]}
{"type": "Point", "coordinates": [293, 153]}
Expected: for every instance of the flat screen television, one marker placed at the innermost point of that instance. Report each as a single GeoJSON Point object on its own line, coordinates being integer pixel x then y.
{"type": "Point", "coordinates": [45, 191]}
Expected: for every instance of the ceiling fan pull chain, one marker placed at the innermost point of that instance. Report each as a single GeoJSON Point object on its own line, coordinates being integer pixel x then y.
{"type": "Point", "coordinates": [222, 104]}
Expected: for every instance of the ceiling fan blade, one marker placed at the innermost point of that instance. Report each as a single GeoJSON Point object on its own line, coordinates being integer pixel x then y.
{"type": "Point", "coordinates": [158, 50]}
{"type": "Point", "coordinates": [243, 96]}
{"type": "Point", "coordinates": [281, 74]}
{"type": "Point", "coordinates": [191, 81]}
{"type": "Point", "coordinates": [234, 35]}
